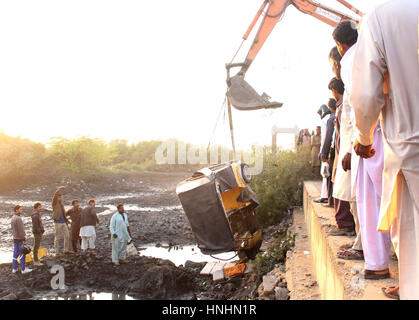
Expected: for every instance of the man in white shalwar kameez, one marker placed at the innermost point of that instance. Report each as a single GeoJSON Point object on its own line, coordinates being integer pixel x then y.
{"type": "Point", "coordinates": [388, 44]}
{"type": "Point", "coordinates": [120, 235]}
{"type": "Point", "coordinates": [342, 190]}
{"type": "Point", "coordinates": [367, 173]}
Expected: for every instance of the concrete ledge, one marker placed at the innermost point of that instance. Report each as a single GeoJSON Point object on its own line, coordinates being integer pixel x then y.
{"type": "Point", "coordinates": [337, 278]}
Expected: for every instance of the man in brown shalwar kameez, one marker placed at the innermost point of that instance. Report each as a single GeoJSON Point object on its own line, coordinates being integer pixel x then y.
{"type": "Point", "coordinates": [74, 214]}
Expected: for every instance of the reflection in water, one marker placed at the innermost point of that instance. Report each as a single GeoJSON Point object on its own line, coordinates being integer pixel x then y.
{"type": "Point", "coordinates": [179, 255]}
{"type": "Point", "coordinates": [6, 257]}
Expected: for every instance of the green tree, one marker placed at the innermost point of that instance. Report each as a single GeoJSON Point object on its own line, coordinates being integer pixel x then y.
{"type": "Point", "coordinates": [83, 155]}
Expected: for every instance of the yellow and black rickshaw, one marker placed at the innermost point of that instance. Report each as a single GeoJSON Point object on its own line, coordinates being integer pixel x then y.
{"type": "Point", "coordinates": [220, 207]}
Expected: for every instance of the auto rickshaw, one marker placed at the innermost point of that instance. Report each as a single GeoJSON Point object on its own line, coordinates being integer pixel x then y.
{"type": "Point", "coordinates": [220, 207]}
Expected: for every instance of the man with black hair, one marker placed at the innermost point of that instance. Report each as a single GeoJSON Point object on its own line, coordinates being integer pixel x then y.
{"type": "Point", "coordinates": [120, 235]}
{"type": "Point", "coordinates": [19, 239]}
{"type": "Point", "coordinates": [366, 176]}
{"type": "Point", "coordinates": [327, 153]}
{"type": "Point", "coordinates": [334, 58]}
{"type": "Point", "coordinates": [344, 219]}
{"type": "Point", "coordinates": [38, 230]}
{"type": "Point", "coordinates": [60, 222]}
{"type": "Point", "coordinates": [74, 213]}
{"type": "Point", "coordinates": [88, 222]}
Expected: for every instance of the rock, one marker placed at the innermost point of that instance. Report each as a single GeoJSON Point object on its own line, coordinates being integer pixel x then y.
{"type": "Point", "coordinates": [50, 263]}
{"type": "Point", "coordinates": [269, 283]}
{"type": "Point", "coordinates": [23, 294]}
{"type": "Point", "coordinates": [194, 265]}
{"type": "Point", "coordinates": [281, 293]}
{"type": "Point", "coordinates": [260, 290]}
{"type": "Point", "coordinates": [218, 275]}
{"type": "Point", "coordinates": [10, 296]}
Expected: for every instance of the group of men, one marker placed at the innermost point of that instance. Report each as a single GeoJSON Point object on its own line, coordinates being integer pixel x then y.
{"type": "Point", "coordinates": [371, 142]}
{"type": "Point", "coordinates": [76, 224]}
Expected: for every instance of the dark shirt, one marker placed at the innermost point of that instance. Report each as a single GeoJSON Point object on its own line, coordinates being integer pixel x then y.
{"type": "Point", "coordinates": [88, 217]}
{"type": "Point", "coordinates": [330, 129]}
{"type": "Point", "coordinates": [75, 217]}
{"type": "Point", "coordinates": [37, 226]}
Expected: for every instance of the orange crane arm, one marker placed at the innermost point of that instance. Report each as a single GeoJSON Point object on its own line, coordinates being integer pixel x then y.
{"type": "Point", "coordinates": [276, 9]}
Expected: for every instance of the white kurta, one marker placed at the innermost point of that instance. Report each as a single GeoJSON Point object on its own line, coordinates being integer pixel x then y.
{"type": "Point", "coordinates": [342, 184]}
{"type": "Point", "coordinates": [388, 42]}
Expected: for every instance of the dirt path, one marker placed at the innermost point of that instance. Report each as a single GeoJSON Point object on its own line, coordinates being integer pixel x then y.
{"type": "Point", "coordinates": [155, 215]}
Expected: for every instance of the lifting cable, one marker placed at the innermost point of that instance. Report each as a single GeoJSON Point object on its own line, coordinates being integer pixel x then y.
{"type": "Point", "coordinates": [217, 120]}
{"type": "Point", "coordinates": [224, 259]}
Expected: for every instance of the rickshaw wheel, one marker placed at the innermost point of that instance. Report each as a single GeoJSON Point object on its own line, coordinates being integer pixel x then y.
{"type": "Point", "coordinates": [251, 253]}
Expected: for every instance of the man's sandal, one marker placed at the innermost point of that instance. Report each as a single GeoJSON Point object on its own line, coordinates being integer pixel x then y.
{"type": "Point", "coordinates": [346, 246]}
{"type": "Point", "coordinates": [373, 275]}
{"type": "Point", "coordinates": [350, 254]}
{"type": "Point", "coordinates": [335, 231]}
{"type": "Point", "coordinates": [390, 295]}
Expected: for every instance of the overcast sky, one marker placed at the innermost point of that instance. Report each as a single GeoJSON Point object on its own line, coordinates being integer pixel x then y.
{"type": "Point", "coordinates": [141, 70]}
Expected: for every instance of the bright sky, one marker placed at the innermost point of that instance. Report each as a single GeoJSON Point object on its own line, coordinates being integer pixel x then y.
{"type": "Point", "coordinates": [141, 70]}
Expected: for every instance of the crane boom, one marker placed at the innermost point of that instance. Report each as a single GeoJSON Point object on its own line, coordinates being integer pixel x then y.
{"type": "Point", "coordinates": [241, 95]}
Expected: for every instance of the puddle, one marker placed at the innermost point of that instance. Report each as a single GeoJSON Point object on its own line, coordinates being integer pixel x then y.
{"type": "Point", "coordinates": [123, 196]}
{"type": "Point", "coordinates": [133, 207]}
{"type": "Point", "coordinates": [179, 255]}
{"type": "Point", "coordinates": [91, 296]}
{"type": "Point", "coordinates": [6, 257]}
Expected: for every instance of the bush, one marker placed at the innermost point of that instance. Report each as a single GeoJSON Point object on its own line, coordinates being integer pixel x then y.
{"type": "Point", "coordinates": [274, 254]}
{"type": "Point", "coordinates": [280, 185]}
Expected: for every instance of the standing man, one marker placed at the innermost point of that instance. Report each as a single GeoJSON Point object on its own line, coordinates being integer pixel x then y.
{"type": "Point", "coordinates": [306, 139]}
{"type": "Point", "coordinates": [350, 250]}
{"type": "Point", "coordinates": [88, 221]}
{"type": "Point", "coordinates": [120, 235]}
{"type": "Point", "coordinates": [327, 153]}
{"type": "Point", "coordinates": [324, 114]}
{"type": "Point", "coordinates": [385, 52]}
{"type": "Point", "coordinates": [60, 223]}
{"type": "Point", "coordinates": [345, 224]}
{"type": "Point", "coordinates": [38, 230]}
{"type": "Point", "coordinates": [19, 239]}
{"type": "Point", "coordinates": [365, 175]}
{"type": "Point", "coordinates": [74, 213]}
{"type": "Point", "coordinates": [315, 150]}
